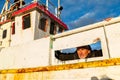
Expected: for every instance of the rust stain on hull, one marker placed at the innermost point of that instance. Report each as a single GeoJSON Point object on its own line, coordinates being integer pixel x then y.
{"type": "Point", "coordinates": [3, 77]}
{"type": "Point", "coordinates": [101, 63]}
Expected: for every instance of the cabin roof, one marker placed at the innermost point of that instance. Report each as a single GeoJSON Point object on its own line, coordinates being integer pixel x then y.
{"type": "Point", "coordinates": [5, 22]}
{"type": "Point", "coordinates": [43, 9]}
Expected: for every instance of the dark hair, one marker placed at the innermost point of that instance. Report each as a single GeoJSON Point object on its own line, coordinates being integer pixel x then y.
{"type": "Point", "coordinates": [85, 47]}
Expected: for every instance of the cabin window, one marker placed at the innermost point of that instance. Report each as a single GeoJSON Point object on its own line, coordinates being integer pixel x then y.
{"type": "Point", "coordinates": [4, 34]}
{"type": "Point", "coordinates": [26, 21]}
{"type": "Point", "coordinates": [52, 28]}
{"type": "Point", "coordinates": [60, 30]}
{"type": "Point", "coordinates": [13, 28]}
{"type": "Point", "coordinates": [80, 52]}
{"type": "Point", "coordinates": [43, 24]}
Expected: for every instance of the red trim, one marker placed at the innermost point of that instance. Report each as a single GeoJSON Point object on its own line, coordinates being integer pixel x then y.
{"type": "Point", "coordinates": [23, 25]}
{"type": "Point", "coordinates": [13, 28]}
{"type": "Point", "coordinates": [108, 19]}
{"type": "Point", "coordinates": [4, 22]}
{"type": "Point", "coordinates": [24, 9]}
{"type": "Point", "coordinates": [42, 8]}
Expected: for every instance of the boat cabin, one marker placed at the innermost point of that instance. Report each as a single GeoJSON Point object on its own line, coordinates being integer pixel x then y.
{"type": "Point", "coordinates": [29, 52]}
{"type": "Point", "coordinates": [23, 23]}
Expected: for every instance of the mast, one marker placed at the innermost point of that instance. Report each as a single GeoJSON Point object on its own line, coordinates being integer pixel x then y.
{"type": "Point", "coordinates": [35, 0]}
{"type": "Point", "coordinates": [4, 11]}
{"type": "Point", "coordinates": [60, 8]}
{"type": "Point", "coordinates": [5, 7]}
{"type": "Point", "coordinates": [58, 4]}
{"type": "Point", "coordinates": [9, 8]}
{"type": "Point", "coordinates": [47, 1]}
{"type": "Point", "coordinates": [58, 14]}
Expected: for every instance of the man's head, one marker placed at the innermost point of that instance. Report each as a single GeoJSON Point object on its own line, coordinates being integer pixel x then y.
{"type": "Point", "coordinates": [83, 51]}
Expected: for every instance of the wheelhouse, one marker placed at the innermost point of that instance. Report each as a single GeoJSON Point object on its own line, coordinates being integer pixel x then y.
{"type": "Point", "coordinates": [33, 20]}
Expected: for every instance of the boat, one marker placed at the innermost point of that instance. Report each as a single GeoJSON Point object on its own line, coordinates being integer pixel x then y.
{"type": "Point", "coordinates": [31, 33]}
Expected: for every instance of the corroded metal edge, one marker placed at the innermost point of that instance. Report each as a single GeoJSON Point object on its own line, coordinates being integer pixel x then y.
{"type": "Point", "coordinates": [81, 65]}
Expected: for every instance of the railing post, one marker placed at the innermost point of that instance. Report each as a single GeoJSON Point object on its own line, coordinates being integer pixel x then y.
{"type": "Point", "coordinates": [47, 4]}
{"type": "Point", "coordinates": [6, 8]}
{"type": "Point", "coordinates": [21, 3]}
{"type": "Point", "coordinates": [35, 0]}
{"type": "Point", "coordinates": [58, 11]}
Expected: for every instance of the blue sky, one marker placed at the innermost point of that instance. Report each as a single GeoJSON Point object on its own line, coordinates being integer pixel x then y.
{"type": "Point", "coordinates": [78, 13]}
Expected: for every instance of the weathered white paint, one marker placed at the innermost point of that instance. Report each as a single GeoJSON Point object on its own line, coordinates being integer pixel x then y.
{"type": "Point", "coordinates": [63, 41]}
{"type": "Point", "coordinates": [31, 54]}
{"type": "Point", "coordinates": [79, 39]}
{"type": "Point", "coordinates": [29, 34]}
{"type": "Point", "coordinates": [23, 35]}
{"type": "Point", "coordinates": [113, 37]}
{"type": "Point", "coordinates": [6, 41]}
{"type": "Point", "coordinates": [38, 33]}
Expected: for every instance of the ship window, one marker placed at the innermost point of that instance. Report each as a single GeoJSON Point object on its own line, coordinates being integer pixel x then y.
{"type": "Point", "coordinates": [26, 21]}
{"type": "Point", "coordinates": [13, 28]}
{"type": "Point", "coordinates": [80, 52]}
{"type": "Point", "coordinates": [52, 28]}
{"type": "Point", "coordinates": [43, 24]}
{"type": "Point", "coordinates": [60, 30]}
{"type": "Point", "coordinates": [4, 34]}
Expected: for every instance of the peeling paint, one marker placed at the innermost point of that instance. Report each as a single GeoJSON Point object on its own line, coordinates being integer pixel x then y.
{"type": "Point", "coordinates": [82, 65]}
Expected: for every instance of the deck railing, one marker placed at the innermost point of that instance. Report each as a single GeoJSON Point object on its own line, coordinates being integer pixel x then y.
{"type": "Point", "coordinates": [9, 8]}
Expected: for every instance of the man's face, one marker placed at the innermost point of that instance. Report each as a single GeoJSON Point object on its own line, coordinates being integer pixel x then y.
{"type": "Point", "coordinates": [82, 53]}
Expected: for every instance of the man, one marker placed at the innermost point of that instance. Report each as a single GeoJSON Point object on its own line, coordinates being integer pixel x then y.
{"type": "Point", "coordinates": [81, 53]}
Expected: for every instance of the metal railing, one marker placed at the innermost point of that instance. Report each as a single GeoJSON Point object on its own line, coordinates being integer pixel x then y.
{"type": "Point", "coordinates": [49, 6]}
{"type": "Point", "coordinates": [13, 7]}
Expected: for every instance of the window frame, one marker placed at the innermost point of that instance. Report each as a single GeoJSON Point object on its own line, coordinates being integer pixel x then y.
{"type": "Point", "coordinates": [41, 27]}
{"type": "Point", "coordinates": [80, 60]}
{"type": "Point", "coordinates": [53, 28]}
{"type": "Point", "coordinates": [4, 35]}
{"type": "Point", "coordinates": [23, 24]}
{"type": "Point", "coordinates": [13, 28]}
{"type": "Point", "coordinates": [60, 30]}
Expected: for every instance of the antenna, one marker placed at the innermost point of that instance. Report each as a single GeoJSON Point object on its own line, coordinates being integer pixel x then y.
{"type": "Point", "coordinates": [35, 0]}
{"type": "Point", "coordinates": [4, 11]}
{"type": "Point", "coordinates": [60, 8]}
{"type": "Point", "coordinates": [58, 12]}
{"type": "Point", "coordinates": [47, 4]}
{"type": "Point", "coordinates": [5, 7]}
{"type": "Point", "coordinates": [58, 3]}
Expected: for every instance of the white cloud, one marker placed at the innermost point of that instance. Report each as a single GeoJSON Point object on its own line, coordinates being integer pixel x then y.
{"type": "Point", "coordinates": [78, 13]}
{"type": "Point", "coordinates": [83, 20]}
{"type": "Point", "coordinates": [90, 14]}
